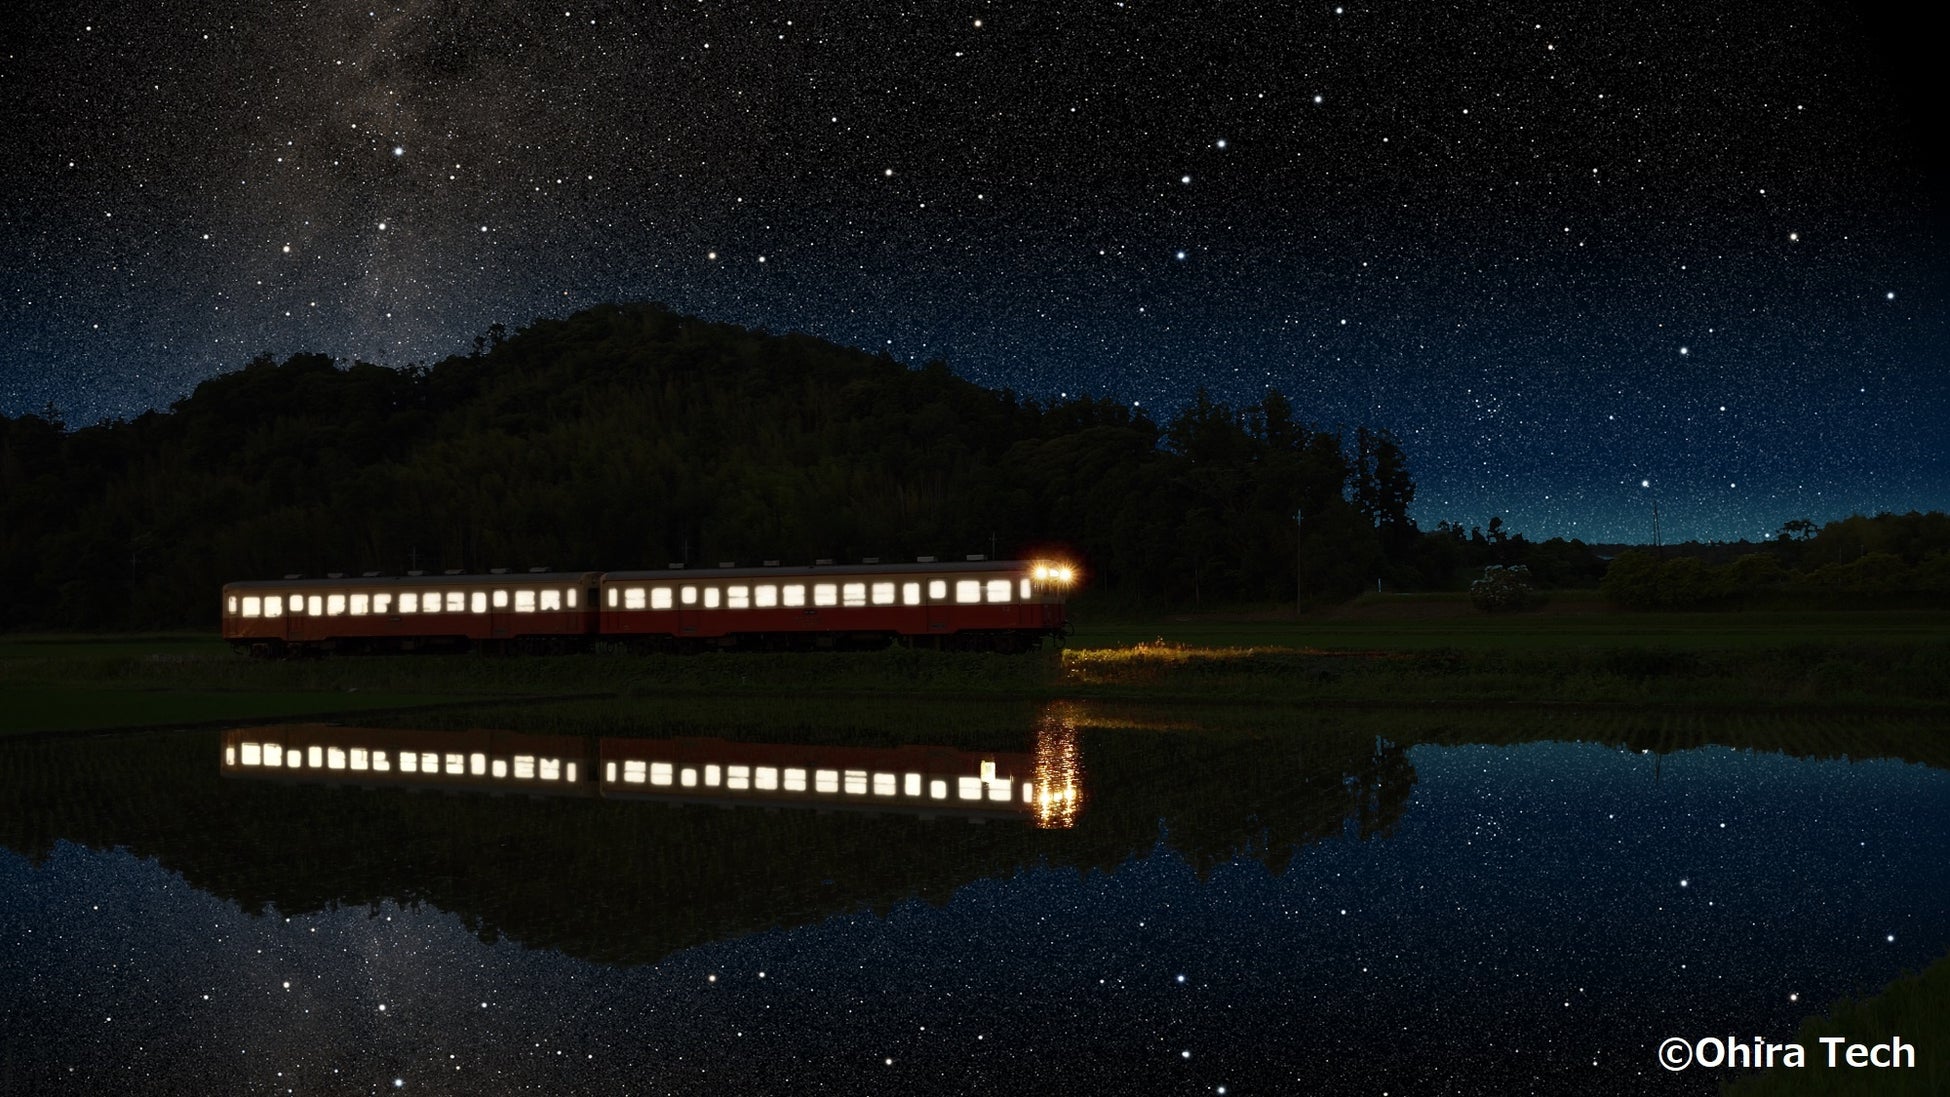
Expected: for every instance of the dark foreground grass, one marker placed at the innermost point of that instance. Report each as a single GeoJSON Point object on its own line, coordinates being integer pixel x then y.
{"type": "Point", "coordinates": [1429, 654]}
{"type": "Point", "coordinates": [1915, 1008]}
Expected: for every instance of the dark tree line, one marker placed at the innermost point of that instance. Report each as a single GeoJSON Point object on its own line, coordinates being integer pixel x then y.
{"type": "Point", "coordinates": [631, 436]}
{"type": "Point", "coordinates": [1897, 560]}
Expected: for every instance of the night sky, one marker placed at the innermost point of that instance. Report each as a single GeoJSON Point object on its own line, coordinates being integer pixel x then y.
{"type": "Point", "coordinates": [1577, 258]}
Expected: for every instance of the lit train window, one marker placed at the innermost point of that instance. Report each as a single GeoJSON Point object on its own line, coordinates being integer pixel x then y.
{"type": "Point", "coordinates": [826, 780]}
{"type": "Point", "coordinates": [1022, 589]}
{"type": "Point", "coordinates": [409, 762]}
{"type": "Point", "coordinates": [572, 598]}
{"type": "Point", "coordinates": [480, 601]}
{"type": "Point", "coordinates": [612, 597]}
{"type": "Point", "coordinates": [883, 784]}
{"type": "Point", "coordinates": [660, 598]}
{"type": "Point", "coordinates": [766, 777]}
{"type": "Point", "coordinates": [253, 606]}
{"type": "Point", "coordinates": [795, 780]}
{"type": "Point", "coordinates": [910, 594]}
{"type": "Point", "coordinates": [937, 590]}
{"type": "Point", "coordinates": [713, 774]}
{"type": "Point", "coordinates": [525, 767]}
{"type": "Point", "coordinates": [687, 777]}
{"type": "Point", "coordinates": [314, 605]}
{"type": "Point", "coordinates": [795, 594]}
{"type": "Point", "coordinates": [253, 754]}
{"type": "Point", "coordinates": [334, 605]}
{"type": "Point", "coordinates": [738, 777]}
{"type": "Point", "coordinates": [737, 597]}
{"type": "Point", "coordinates": [456, 601]}
{"type": "Point", "coordinates": [525, 601]}
{"type": "Point", "coordinates": [360, 604]}
{"type": "Point", "coordinates": [382, 603]}
{"type": "Point", "coordinates": [361, 758]}
{"type": "Point", "coordinates": [765, 596]}
{"type": "Point", "coordinates": [690, 596]}
{"type": "Point", "coordinates": [232, 604]}
{"type": "Point", "coordinates": [856, 782]}
{"type": "Point", "coordinates": [711, 596]}
{"type": "Point", "coordinates": [826, 594]}
{"type": "Point", "coordinates": [854, 594]}
{"type": "Point", "coordinates": [500, 599]}
{"type": "Point", "coordinates": [297, 603]}
{"type": "Point", "coordinates": [409, 602]}
{"type": "Point", "coordinates": [551, 599]}
{"type": "Point", "coordinates": [968, 590]}
{"type": "Point", "coordinates": [969, 788]}
{"type": "Point", "coordinates": [274, 606]}
{"type": "Point", "coordinates": [883, 594]}
{"type": "Point", "coordinates": [912, 784]}
{"type": "Point", "coordinates": [632, 598]}
{"type": "Point", "coordinates": [660, 773]}
{"type": "Point", "coordinates": [633, 771]}
{"type": "Point", "coordinates": [998, 590]}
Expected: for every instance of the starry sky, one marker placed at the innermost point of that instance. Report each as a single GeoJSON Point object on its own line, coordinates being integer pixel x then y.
{"type": "Point", "coordinates": [1579, 258]}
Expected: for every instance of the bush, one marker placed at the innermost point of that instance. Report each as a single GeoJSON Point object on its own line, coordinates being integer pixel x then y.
{"type": "Point", "coordinates": [1503, 590]}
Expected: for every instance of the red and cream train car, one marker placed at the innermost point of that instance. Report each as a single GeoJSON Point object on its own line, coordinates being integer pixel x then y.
{"type": "Point", "coordinates": [528, 611]}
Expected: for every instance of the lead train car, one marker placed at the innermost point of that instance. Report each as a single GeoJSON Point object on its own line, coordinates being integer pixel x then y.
{"type": "Point", "coordinates": [530, 612]}
{"type": "Point", "coordinates": [986, 605]}
{"type": "Point", "coordinates": [983, 605]}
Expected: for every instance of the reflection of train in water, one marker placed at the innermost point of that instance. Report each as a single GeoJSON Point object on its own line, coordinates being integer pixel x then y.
{"type": "Point", "coordinates": [976, 604]}
{"type": "Point", "coordinates": [924, 780]}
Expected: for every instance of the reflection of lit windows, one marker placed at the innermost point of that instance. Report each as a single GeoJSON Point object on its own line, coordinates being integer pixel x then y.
{"type": "Point", "coordinates": [551, 600]}
{"type": "Point", "coordinates": [551, 769]}
{"type": "Point", "coordinates": [713, 775]}
{"type": "Point", "coordinates": [381, 762]}
{"type": "Point", "coordinates": [766, 777]}
{"type": "Point", "coordinates": [609, 773]}
{"type": "Point", "coordinates": [525, 767]}
{"type": "Point", "coordinates": [314, 756]}
{"type": "Point", "coordinates": [409, 762]}
{"type": "Point", "coordinates": [456, 602]}
{"type": "Point", "coordinates": [937, 590]}
{"type": "Point", "coordinates": [455, 764]}
{"type": "Point", "coordinates": [687, 777]}
{"type": "Point", "coordinates": [883, 594]}
{"type": "Point", "coordinates": [359, 758]}
{"type": "Point", "coordinates": [689, 596]}
{"type": "Point", "coordinates": [253, 754]}
{"type": "Point", "coordinates": [660, 773]}
{"type": "Point", "coordinates": [912, 784]}
{"type": "Point", "coordinates": [910, 594]}
{"type": "Point", "coordinates": [360, 603]}
{"type": "Point", "coordinates": [969, 788]}
{"type": "Point", "coordinates": [998, 590]}
{"type": "Point", "coordinates": [525, 601]}
{"type": "Point", "coordinates": [883, 784]}
{"type": "Point", "coordinates": [253, 606]}
{"type": "Point", "coordinates": [632, 598]}
{"type": "Point", "coordinates": [273, 754]}
{"type": "Point", "coordinates": [737, 597]}
{"type": "Point", "coordinates": [795, 780]}
{"type": "Point", "coordinates": [480, 601]}
{"type": "Point", "coordinates": [765, 596]}
{"type": "Point", "coordinates": [230, 756]}
{"type": "Point", "coordinates": [825, 594]}
{"type": "Point", "coordinates": [477, 763]}
{"type": "Point", "coordinates": [826, 780]}
{"type": "Point", "coordinates": [334, 605]}
{"type": "Point", "coordinates": [711, 595]}
{"type": "Point", "coordinates": [856, 782]}
{"type": "Point", "coordinates": [429, 762]}
{"type": "Point", "coordinates": [738, 777]}
{"type": "Point", "coordinates": [795, 594]}
{"type": "Point", "coordinates": [853, 594]}
{"type": "Point", "coordinates": [660, 598]}
{"type": "Point", "coordinates": [569, 773]}
{"type": "Point", "coordinates": [498, 768]}
{"type": "Point", "coordinates": [937, 789]}
{"type": "Point", "coordinates": [968, 590]}
{"type": "Point", "coordinates": [999, 791]}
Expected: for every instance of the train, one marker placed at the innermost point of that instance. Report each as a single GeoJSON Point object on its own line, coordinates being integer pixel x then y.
{"type": "Point", "coordinates": [976, 604]}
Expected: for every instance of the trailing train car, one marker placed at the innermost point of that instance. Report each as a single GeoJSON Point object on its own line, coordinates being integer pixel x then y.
{"type": "Point", "coordinates": [977, 604]}
{"type": "Point", "coordinates": [524, 611]}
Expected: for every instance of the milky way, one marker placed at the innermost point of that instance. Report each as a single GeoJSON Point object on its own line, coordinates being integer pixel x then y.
{"type": "Point", "coordinates": [1559, 252]}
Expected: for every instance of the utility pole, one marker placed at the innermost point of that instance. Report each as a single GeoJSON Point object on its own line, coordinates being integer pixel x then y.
{"type": "Point", "coordinates": [1299, 576]}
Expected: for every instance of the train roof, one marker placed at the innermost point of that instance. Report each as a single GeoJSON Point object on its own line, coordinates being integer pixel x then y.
{"type": "Point", "coordinates": [804, 571]}
{"type": "Point", "coordinates": [368, 582]}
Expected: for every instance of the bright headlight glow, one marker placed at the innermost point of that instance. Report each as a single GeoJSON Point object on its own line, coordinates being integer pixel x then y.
{"type": "Point", "coordinates": [1064, 574]}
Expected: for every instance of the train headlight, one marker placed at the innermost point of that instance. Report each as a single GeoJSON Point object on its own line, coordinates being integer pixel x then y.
{"type": "Point", "coordinates": [1042, 572]}
{"type": "Point", "coordinates": [1064, 575]}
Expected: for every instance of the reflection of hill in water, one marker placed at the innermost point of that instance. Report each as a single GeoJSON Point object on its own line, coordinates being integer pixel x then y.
{"type": "Point", "coordinates": [631, 882]}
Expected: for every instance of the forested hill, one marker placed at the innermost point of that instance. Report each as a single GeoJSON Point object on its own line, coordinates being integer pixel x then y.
{"type": "Point", "coordinates": [630, 436]}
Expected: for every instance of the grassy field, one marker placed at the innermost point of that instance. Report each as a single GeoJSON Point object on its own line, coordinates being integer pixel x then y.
{"type": "Point", "coordinates": [1379, 652]}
